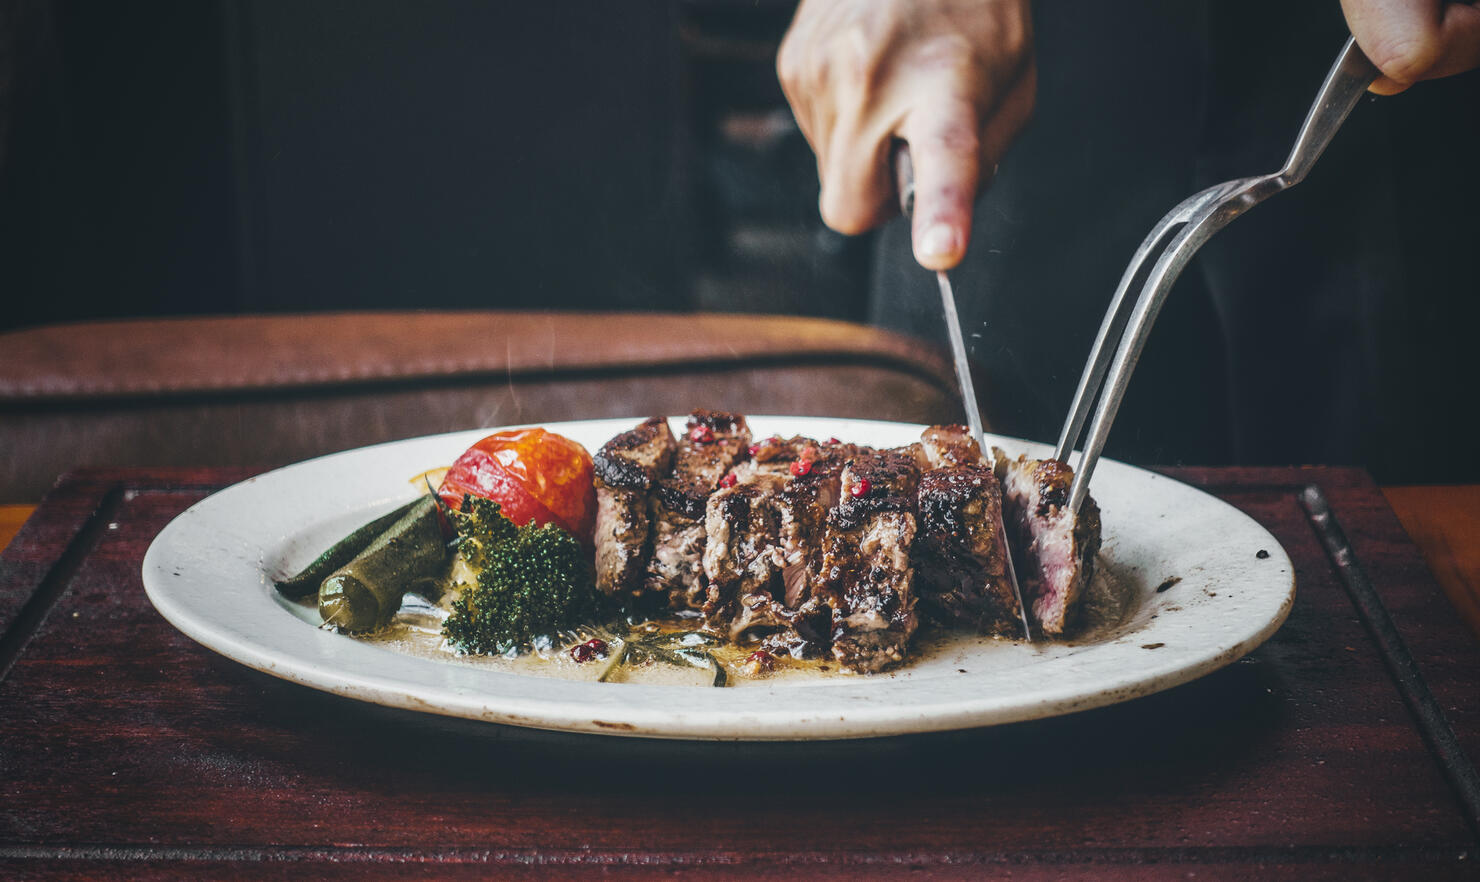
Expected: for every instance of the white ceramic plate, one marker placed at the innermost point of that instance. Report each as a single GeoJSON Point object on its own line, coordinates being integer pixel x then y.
{"type": "Point", "coordinates": [210, 572]}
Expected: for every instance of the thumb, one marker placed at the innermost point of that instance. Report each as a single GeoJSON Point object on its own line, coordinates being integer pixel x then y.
{"type": "Point", "coordinates": [1401, 37]}
{"type": "Point", "coordinates": [945, 149]}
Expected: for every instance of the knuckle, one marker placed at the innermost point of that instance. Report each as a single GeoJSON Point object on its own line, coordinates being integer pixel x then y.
{"type": "Point", "coordinates": [1017, 34]}
{"type": "Point", "coordinates": [854, 60]}
{"type": "Point", "coordinates": [788, 71]}
{"type": "Point", "coordinates": [957, 137]}
{"type": "Point", "coordinates": [847, 59]}
{"type": "Point", "coordinates": [949, 200]}
{"type": "Point", "coordinates": [844, 215]}
{"type": "Point", "coordinates": [950, 56]}
{"type": "Point", "coordinates": [793, 59]}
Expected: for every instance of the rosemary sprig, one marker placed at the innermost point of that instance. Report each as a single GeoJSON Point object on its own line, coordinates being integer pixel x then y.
{"type": "Point", "coordinates": [681, 648]}
{"type": "Point", "coordinates": [618, 658]}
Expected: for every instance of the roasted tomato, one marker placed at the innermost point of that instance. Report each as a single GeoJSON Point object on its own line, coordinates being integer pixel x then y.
{"type": "Point", "coordinates": [533, 474]}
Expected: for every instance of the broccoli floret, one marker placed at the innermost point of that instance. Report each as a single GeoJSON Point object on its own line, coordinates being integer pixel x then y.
{"type": "Point", "coordinates": [531, 582]}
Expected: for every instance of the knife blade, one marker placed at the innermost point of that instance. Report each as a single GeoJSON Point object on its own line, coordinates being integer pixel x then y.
{"type": "Point", "coordinates": [904, 178]}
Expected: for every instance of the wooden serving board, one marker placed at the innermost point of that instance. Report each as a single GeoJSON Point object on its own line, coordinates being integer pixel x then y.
{"type": "Point", "coordinates": [1342, 748]}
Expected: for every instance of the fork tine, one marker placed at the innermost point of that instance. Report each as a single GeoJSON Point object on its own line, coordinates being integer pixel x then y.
{"type": "Point", "coordinates": [1208, 220]}
{"type": "Point", "coordinates": [1205, 214]}
{"type": "Point", "coordinates": [1112, 325]}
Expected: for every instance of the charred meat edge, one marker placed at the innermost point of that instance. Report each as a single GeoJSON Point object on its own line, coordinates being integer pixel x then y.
{"type": "Point", "coordinates": [867, 577]}
{"type": "Point", "coordinates": [961, 552]}
{"type": "Point", "coordinates": [713, 442]}
{"type": "Point", "coordinates": [627, 467]}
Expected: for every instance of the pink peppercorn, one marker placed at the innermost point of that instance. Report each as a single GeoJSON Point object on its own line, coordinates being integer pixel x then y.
{"type": "Point", "coordinates": [761, 662]}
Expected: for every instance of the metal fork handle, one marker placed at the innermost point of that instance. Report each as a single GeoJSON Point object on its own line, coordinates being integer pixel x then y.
{"type": "Point", "coordinates": [1201, 216]}
{"type": "Point", "coordinates": [1345, 85]}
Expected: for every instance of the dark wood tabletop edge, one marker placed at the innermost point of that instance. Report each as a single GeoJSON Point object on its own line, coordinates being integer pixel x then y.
{"type": "Point", "coordinates": [67, 524]}
{"type": "Point", "coordinates": [1426, 710]}
{"type": "Point", "coordinates": [697, 859]}
{"type": "Point", "coordinates": [35, 591]}
{"type": "Point", "coordinates": [1310, 486]}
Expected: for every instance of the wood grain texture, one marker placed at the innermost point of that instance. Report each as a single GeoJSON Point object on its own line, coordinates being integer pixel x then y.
{"type": "Point", "coordinates": [1444, 522]}
{"type": "Point", "coordinates": [1329, 866]}
{"type": "Point", "coordinates": [126, 749]}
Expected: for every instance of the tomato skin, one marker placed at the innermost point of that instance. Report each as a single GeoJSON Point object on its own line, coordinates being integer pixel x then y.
{"type": "Point", "coordinates": [533, 474]}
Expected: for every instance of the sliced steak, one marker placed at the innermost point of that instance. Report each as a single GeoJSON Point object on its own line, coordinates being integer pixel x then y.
{"type": "Point", "coordinates": [1054, 551]}
{"type": "Point", "coordinates": [742, 529]}
{"type": "Point", "coordinates": [712, 444]}
{"type": "Point", "coordinates": [960, 553]}
{"type": "Point", "coordinates": [961, 550]}
{"type": "Point", "coordinates": [764, 538]}
{"type": "Point", "coordinates": [745, 563]}
{"type": "Point", "coordinates": [813, 470]}
{"type": "Point", "coordinates": [950, 445]}
{"type": "Point", "coordinates": [867, 579]}
{"type": "Point", "coordinates": [627, 468]}
{"type": "Point", "coordinates": [774, 456]}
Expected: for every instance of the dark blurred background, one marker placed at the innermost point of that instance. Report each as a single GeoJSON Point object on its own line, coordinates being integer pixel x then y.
{"type": "Point", "coordinates": [195, 157]}
{"type": "Point", "coordinates": [204, 157]}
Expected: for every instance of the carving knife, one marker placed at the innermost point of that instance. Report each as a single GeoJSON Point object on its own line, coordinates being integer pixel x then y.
{"type": "Point", "coordinates": [904, 177]}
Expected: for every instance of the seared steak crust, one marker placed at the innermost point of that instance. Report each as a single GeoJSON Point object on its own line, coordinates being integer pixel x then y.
{"type": "Point", "coordinates": [712, 444]}
{"type": "Point", "coordinates": [780, 513]}
{"type": "Point", "coordinates": [961, 553]}
{"type": "Point", "coordinates": [753, 592]}
{"type": "Point", "coordinates": [627, 467]}
{"type": "Point", "coordinates": [950, 446]}
{"type": "Point", "coordinates": [892, 478]}
{"type": "Point", "coordinates": [867, 579]}
{"type": "Point", "coordinates": [1054, 550]}
{"type": "Point", "coordinates": [742, 527]}
{"type": "Point", "coordinates": [637, 458]}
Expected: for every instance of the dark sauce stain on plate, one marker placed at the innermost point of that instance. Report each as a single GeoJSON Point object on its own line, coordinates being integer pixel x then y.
{"type": "Point", "coordinates": [620, 727]}
{"type": "Point", "coordinates": [1168, 584]}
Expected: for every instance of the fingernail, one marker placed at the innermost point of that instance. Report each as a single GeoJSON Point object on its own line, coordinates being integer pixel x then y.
{"type": "Point", "coordinates": [938, 240]}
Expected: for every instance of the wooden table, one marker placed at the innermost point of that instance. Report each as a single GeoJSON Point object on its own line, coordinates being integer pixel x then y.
{"type": "Point", "coordinates": [1342, 748]}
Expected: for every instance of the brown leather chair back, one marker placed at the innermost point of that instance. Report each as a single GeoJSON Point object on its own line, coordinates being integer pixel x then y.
{"type": "Point", "coordinates": [268, 390]}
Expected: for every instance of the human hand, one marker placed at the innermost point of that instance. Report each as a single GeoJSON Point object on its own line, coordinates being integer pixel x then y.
{"type": "Point", "coordinates": [1413, 40]}
{"type": "Point", "coordinates": [953, 78]}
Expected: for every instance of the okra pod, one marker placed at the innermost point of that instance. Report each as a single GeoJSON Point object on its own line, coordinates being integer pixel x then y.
{"type": "Point", "coordinates": [307, 581]}
{"type": "Point", "coordinates": [363, 594]}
